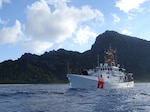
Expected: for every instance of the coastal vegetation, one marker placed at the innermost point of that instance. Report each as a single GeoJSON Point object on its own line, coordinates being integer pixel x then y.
{"type": "Point", "coordinates": [132, 53]}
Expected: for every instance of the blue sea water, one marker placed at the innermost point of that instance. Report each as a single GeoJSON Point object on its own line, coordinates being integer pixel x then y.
{"type": "Point", "coordinates": [60, 98]}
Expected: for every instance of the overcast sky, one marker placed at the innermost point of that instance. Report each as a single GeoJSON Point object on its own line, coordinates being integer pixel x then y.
{"type": "Point", "coordinates": [36, 26]}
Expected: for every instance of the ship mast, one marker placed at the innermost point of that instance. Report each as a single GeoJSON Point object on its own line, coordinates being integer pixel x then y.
{"type": "Point", "coordinates": [109, 57]}
{"type": "Point", "coordinates": [98, 60]}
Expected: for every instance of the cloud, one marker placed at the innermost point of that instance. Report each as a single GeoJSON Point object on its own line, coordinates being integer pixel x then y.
{"type": "Point", "coordinates": [60, 22]}
{"type": "Point", "coordinates": [116, 18]}
{"type": "Point", "coordinates": [12, 34]}
{"type": "Point", "coordinates": [131, 16]}
{"type": "Point", "coordinates": [83, 35]}
{"type": "Point", "coordinates": [126, 32]}
{"type": "Point", "coordinates": [4, 1]}
{"type": "Point", "coordinates": [57, 1]}
{"type": "Point", "coordinates": [3, 21]}
{"type": "Point", "coordinates": [36, 46]}
{"type": "Point", "coordinates": [129, 5]}
{"type": "Point", "coordinates": [15, 35]}
{"type": "Point", "coordinates": [49, 23]}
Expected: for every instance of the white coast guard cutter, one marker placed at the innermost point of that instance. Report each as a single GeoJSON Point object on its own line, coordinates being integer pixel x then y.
{"type": "Point", "coordinates": [107, 75]}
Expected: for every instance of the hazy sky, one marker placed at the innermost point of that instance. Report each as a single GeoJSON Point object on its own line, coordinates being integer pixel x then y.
{"type": "Point", "coordinates": [36, 26]}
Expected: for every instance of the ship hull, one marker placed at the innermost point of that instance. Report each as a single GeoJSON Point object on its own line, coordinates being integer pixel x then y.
{"type": "Point", "coordinates": [91, 82]}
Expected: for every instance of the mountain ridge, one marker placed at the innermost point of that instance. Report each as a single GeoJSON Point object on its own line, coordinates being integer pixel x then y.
{"type": "Point", "coordinates": [52, 66]}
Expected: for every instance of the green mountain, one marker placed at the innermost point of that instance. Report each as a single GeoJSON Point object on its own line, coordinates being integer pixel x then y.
{"type": "Point", "coordinates": [132, 53]}
{"type": "Point", "coordinates": [51, 67]}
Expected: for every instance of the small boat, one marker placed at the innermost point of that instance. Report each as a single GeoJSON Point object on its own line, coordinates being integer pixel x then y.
{"type": "Point", "coordinates": [107, 75]}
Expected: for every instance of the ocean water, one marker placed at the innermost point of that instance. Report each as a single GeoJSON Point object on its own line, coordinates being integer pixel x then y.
{"type": "Point", "coordinates": [60, 98]}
